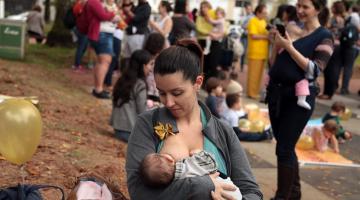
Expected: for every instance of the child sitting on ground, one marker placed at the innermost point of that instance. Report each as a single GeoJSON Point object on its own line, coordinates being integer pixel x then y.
{"type": "Point", "coordinates": [327, 133]}
{"type": "Point", "coordinates": [215, 95]}
{"type": "Point", "coordinates": [337, 109]}
{"type": "Point", "coordinates": [158, 169]}
{"type": "Point", "coordinates": [218, 31]}
{"type": "Point", "coordinates": [232, 116]}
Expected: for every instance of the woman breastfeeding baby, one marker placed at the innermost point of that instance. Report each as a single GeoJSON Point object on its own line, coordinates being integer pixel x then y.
{"type": "Point", "coordinates": [182, 142]}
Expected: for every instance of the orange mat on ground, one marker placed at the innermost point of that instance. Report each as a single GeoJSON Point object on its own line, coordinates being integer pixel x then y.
{"type": "Point", "coordinates": [327, 156]}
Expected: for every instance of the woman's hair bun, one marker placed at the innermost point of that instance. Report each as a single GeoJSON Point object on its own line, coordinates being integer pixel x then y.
{"type": "Point", "coordinates": [194, 47]}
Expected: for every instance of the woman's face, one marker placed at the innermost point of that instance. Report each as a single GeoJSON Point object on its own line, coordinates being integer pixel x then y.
{"type": "Point", "coordinates": [263, 14]}
{"type": "Point", "coordinates": [161, 9]}
{"type": "Point", "coordinates": [149, 67]}
{"type": "Point", "coordinates": [306, 11]}
{"type": "Point", "coordinates": [178, 95]}
{"type": "Point", "coordinates": [204, 8]}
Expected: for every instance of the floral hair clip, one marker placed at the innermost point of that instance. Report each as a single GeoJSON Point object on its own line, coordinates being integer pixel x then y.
{"type": "Point", "coordinates": [162, 131]}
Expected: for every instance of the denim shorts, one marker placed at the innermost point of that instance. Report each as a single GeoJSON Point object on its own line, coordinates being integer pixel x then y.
{"type": "Point", "coordinates": [104, 45]}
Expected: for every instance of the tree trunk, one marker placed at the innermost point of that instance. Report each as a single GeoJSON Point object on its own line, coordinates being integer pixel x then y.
{"type": "Point", "coordinates": [59, 34]}
{"type": "Point", "coordinates": [47, 11]}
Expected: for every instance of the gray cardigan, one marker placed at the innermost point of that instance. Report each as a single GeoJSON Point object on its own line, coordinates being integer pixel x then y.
{"type": "Point", "coordinates": [35, 22]}
{"type": "Point", "coordinates": [143, 142]}
{"type": "Point", "coordinates": [123, 118]}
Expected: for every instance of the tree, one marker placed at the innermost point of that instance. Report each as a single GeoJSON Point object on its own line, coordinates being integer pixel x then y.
{"type": "Point", "coordinates": [47, 11]}
{"type": "Point", "coordinates": [59, 34]}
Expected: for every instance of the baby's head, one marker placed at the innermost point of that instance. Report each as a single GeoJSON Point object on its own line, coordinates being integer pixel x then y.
{"type": "Point", "coordinates": [213, 86]}
{"type": "Point", "coordinates": [220, 13]}
{"type": "Point", "coordinates": [233, 101]}
{"type": "Point", "coordinates": [338, 107]}
{"type": "Point", "coordinates": [330, 128]}
{"type": "Point", "coordinates": [157, 170]}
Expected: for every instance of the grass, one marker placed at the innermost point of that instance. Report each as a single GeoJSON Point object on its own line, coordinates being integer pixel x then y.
{"type": "Point", "coordinates": [49, 57]}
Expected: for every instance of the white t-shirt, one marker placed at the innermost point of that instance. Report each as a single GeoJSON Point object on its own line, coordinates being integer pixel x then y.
{"type": "Point", "coordinates": [232, 116]}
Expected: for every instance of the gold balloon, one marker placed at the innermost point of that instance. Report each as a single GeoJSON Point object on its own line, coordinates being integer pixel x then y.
{"type": "Point", "coordinates": [257, 126]}
{"type": "Point", "coordinates": [244, 124]}
{"type": "Point", "coordinates": [20, 130]}
{"type": "Point", "coordinates": [346, 115]}
{"type": "Point", "coordinates": [305, 143]}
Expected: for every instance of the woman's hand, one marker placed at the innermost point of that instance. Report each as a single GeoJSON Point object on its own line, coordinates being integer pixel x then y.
{"type": "Point", "coordinates": [283, 42]}
{"type": "Point", "coordinates": [220, 189]}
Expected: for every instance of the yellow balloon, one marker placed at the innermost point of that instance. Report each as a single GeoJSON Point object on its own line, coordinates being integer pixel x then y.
{"type": "Point", "coordinates": [346, 115]}
{"type": "Point", "coordinates": [257, 126]}
{"type": "Point", "coordinates": [20, 130]}
{"type": "Point", "coordinates": [244, 124]}
{"type": "Point", "coordinates": [305, 143]}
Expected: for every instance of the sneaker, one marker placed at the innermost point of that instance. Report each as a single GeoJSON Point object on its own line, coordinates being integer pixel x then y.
{"type": "Point", "coordinates": [78, 69]}
{"type": "Point", "coordinates": [101, 95]}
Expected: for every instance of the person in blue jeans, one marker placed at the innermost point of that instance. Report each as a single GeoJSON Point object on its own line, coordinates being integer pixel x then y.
{"type": "Point", "coordinates": [82, 44]}
{"type": "Point", "coordinates": [114, 62]}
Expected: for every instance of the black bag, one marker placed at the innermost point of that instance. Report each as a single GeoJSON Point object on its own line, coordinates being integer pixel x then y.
{"type": "Point", "coordinates": [69, 19]}
{"type": "Point", "coordinates": [349, 34]}
{"type": "Point", "coordinates": [26, 192]}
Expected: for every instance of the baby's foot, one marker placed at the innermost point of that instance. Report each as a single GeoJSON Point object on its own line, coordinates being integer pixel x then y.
{"type": "Point", "coordinates": [302, 103]}
{"type": "Point", "coordinates": [206, 51]}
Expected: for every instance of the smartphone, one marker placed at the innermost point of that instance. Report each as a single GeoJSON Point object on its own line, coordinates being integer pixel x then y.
{"type": "Point", "coordinates": [281, 29]}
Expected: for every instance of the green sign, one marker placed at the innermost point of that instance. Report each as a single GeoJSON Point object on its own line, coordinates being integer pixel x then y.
{"type": "Point", "coordinates": [12, 38]}
{"type": "Point", "coordinates": [10, 35]}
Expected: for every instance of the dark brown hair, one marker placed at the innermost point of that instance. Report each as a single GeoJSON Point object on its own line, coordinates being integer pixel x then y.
{"type": "Point", "coordinates": [212, 83]}
{"type": "Point", "coordinates": [331, 126]}
{"type": "Point", "coordinates": [186, 57]}
{"type": "Point", "coordinates": [338, 106]}
{"type": "Point", "coordinates": [37, 7]}
{"type": "Point", "coordinates": [232, 99]}
{"type": "Point", "coordinates": [155, 172]}
{"type": "Point", "coordinates": [204, 3]}
{"type": "Point", "coordinates": [323, 16]}
{"type": "Point", "coordinates": [259, 8]}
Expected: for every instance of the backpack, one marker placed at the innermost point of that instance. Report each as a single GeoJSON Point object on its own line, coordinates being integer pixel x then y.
{"type": "Point", "coordinates": [26, 192]}
{"type": "Point", "coordinates": [69, 19]}
{"type": "Point", "coordinates": [349, 34]}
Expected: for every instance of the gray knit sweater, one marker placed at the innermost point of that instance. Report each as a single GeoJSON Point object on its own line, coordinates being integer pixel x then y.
{"type": "Point", "coordinates": [123, 118]}
{"type": "Point", "coordinates": [143, 142]}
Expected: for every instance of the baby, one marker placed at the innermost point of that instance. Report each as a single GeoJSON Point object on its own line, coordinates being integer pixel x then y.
{"type": "Point", "coordinates": [325, 135]}
{"type": "Point", "coordinates": [158, 169]}
{"type": "Point", "coordinates": [218, 30]}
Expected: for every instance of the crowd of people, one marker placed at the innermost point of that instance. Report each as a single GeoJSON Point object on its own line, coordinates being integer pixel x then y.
{"type": "Point", "coordinates": [179, 145]}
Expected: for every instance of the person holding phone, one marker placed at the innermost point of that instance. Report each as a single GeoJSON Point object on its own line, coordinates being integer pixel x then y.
{"type": "Point", "coordinates": [302, 86]}
{"type": "Point", "coordinates": [303, 58]}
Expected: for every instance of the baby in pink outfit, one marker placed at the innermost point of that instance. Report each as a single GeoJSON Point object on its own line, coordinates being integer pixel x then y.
{"type": "Point", "coordinates": [301, 91]}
